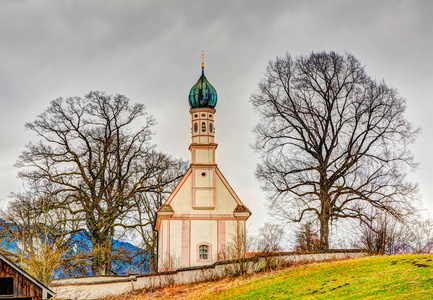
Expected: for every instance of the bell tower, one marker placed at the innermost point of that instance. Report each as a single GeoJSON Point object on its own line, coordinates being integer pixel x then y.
{"type": "Point", "coordinates": [202, 100]}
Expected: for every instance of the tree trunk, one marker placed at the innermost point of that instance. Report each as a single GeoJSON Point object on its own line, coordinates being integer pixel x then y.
{"type": "Point", "coordinates": [152, 263]}
{"type": "Point", "coordinates": [154, 252]}
{"type": "Point", "coordinates": [324, 232]}
{"type": "Point", "coordinates": [108, 250]}
{"type": "Point", "coordinates": [98, 259]}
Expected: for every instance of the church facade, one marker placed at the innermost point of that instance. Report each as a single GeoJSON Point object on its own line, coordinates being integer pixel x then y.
{"type": "Point", "coordinates": [203, 220]}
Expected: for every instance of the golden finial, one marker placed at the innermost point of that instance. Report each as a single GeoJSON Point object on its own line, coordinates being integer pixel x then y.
{"type": "Point", "coordinates": [202, 59]}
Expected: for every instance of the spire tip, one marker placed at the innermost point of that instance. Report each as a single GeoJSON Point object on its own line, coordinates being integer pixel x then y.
{"type": "Point", "coordinates": [202, 59]}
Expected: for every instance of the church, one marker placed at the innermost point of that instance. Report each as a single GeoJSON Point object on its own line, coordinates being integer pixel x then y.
{"type": "Point", "coordinates": [203, 220]}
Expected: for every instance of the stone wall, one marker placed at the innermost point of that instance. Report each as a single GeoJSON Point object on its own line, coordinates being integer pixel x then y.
{"type": "Point", "coordinates": [97, 287]}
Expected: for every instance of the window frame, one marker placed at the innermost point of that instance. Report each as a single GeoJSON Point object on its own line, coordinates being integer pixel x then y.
{"type": "Point", "coordinates": [13, 285]}
{"type": "Point", "coordinates": [209, 252]}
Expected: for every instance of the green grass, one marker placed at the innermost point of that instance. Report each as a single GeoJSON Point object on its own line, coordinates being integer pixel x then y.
{"type": "Point", "coordinates": [385, 277]}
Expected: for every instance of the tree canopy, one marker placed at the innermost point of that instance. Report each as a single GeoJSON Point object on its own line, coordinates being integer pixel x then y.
{"type": "Point", "coordinates": [333, 141]}
{"type": "Point", "coordinates": [98, 160]}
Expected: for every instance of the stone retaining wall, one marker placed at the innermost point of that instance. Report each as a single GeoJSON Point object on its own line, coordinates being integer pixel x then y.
{"type": "Point", "coordinates": [97, 287]}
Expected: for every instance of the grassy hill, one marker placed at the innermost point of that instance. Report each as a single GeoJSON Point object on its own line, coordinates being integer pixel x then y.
{"type": "Point", "coordinates": [385, 277]}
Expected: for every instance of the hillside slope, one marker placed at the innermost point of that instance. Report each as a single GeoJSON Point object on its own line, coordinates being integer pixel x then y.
{"type": "Point", "coordinates": [385, 277]}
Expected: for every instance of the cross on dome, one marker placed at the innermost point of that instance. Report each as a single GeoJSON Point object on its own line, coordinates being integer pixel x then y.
{"type": "Point", "coordinates": [202, 59]}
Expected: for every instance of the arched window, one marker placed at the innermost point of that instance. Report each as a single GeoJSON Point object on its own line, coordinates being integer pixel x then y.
{"type": "Point", "coordinates": [195, 127]}
{"type": "Point", "coordinates": [203, 126]}
{"type": "Point", "coordinates": [203, 251]}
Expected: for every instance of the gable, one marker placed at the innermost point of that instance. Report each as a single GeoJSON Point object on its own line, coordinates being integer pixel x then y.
{"type": "Point", "coordinates": [182, 188]}
{"type": "Point", "coordinates": [180, 201]}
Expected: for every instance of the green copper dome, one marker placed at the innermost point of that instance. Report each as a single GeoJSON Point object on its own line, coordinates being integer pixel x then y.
{"type": "Point", "coordinates": [202, 94]}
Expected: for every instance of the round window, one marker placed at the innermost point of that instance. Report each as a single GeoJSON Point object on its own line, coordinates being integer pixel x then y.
{"type": "Point", "coordinates": [203, 174]}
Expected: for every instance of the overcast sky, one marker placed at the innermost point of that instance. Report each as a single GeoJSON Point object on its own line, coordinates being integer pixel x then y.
{"type": "Point", "coordinates": [150, 52]}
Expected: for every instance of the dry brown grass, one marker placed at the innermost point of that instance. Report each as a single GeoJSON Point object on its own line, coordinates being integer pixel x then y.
{"type": "Point", "coordinates": [198, 290]}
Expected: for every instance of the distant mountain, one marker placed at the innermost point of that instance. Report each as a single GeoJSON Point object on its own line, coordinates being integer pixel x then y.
{"type": "Point", "coordinates": [126, 258]}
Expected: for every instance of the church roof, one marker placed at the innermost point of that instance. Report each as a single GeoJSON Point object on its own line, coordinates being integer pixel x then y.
{"type": "Point", "coordinates": [202, 94]}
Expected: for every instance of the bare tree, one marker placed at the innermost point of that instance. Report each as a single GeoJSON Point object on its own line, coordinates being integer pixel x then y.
{"type": "Point", "coordinates": [146, 216]}
{"type": "Point", "coordinates": [143, 217]}
{"type": "Point", "coordinates": [38, 232]}
{"type": "Point", "coordinates": [307, 239]}
{"type": "Point", "coordinates": [375, 236]}
{"type": "Point", "coordinates": [91, 153]}
{"type": "Point", "coordinates": [270, 237]}
{"type": "Point", "coordinates": [422, 233]}
{"type": "Point", "coordinates": [333, 141]}
{"type": "Point", "coordinates": [236, 250]}
{"type": "Point", "coordinates": [383, 234]}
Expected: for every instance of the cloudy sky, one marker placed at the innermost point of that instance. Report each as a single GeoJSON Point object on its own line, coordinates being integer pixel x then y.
{"type": "Point", "coordinates": [150, 52]}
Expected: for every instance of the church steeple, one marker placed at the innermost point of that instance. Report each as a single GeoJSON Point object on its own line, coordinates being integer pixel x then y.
{"type": "Point", "coordinates": [202, 100]}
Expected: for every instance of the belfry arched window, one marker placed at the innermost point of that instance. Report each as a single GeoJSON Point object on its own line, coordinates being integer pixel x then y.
{"type": "Point", "coordinates": [203, 126]}
{"type": "Point", "coordinates": [203, 252]}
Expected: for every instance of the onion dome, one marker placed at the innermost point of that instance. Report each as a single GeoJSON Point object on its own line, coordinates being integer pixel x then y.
{"type": "Point", "coordinates": [202, 94]}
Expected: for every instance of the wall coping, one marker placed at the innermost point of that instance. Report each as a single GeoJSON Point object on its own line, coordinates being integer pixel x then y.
{"type": "Point", "coordinates": [92, 280]}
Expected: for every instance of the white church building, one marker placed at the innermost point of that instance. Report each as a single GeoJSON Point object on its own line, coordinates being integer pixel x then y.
{"type": "Point", "coordinates": [203, 220]}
